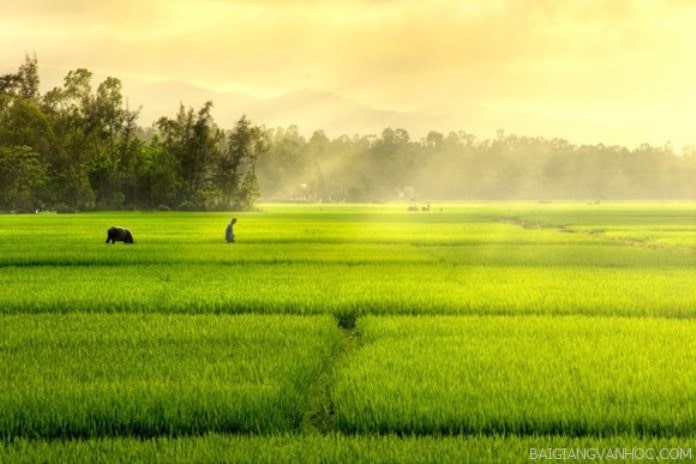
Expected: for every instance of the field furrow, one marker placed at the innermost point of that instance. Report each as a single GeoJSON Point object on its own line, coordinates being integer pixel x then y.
{"type": "Point", "coordinates": [475, 332]}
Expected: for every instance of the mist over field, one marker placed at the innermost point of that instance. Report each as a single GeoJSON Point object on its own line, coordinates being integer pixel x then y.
{"type": "Point", "coordinates": [352, 231]}
{"type": "Point", "coordinates": [346, 101]}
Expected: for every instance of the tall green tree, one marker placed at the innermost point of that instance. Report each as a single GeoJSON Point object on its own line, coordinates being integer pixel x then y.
{"type": "Point", "coordinates": [194, 141]}
{"type": "Point", "coordinates": [22, 179]}
{"type": "Point", "coordinates": [26, 141]}
{"type": "Point", "coordinates": [157, 183]}
{"type": "Point", "coordinates": [29, 79]}
{"type": "Point", "coordinates": [104, 119]}
{"type": "Point", "coordinates": [235, 174]}
{"type": "Point", "coordinates": [67, 108]}
{"type": "Point", "coordinates": [284, 166]}
{"type": "Point", "coordinates": [391, 164]}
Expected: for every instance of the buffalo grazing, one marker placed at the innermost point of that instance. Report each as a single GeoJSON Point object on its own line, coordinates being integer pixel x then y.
{"type": "Point", "coordinates": [119, 234]}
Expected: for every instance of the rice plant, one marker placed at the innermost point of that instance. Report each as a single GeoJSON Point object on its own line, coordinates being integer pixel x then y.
{"type": "Point", "coordinates": [346, 260]}
{"type": "Point", "coordinates": [572, 376]}
{"type": "Point", "coordinates": [480, 331]}
{"type": "Point", "coordinates": [89, 375]}
{"type": "Point", "coordinates": [346, 449]}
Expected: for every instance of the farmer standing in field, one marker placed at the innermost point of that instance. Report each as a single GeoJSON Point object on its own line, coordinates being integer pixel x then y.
{"type": "Point", "coordinates": [229, 232]}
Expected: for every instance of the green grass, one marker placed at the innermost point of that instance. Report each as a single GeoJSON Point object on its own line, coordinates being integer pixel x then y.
{"type": "Point", "coordinates": [89, 375]}
{"type": "Point", "coordinates": [345, 259]}
{"type": "Point", "coordinates": [481, 330]}
{"type": "Point", "coordinates": [362, 289]}
{"type": "Point", "coordinates": [520, 375]}
{"type": "Point", "coordinates": [335, 448]}
{"type": "Point", "coordinates": [665, 225]}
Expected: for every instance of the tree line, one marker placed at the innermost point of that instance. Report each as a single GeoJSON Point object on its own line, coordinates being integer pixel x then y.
{"type": "Point", "coordinates": [458, 166]}
{"type": "Point", "coordinates": [78, 148]}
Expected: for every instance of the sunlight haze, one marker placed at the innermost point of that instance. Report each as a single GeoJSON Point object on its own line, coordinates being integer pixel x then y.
{"type": "Point", "coordinates": [617, 72]}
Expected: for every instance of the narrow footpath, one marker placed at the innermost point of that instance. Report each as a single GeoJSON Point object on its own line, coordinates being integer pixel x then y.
{"type": "Point", "coordinates": [319, 417]}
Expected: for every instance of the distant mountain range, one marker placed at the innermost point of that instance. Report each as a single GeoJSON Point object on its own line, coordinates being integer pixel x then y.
{"type": "Point", "coordinates": [337, 115]}
{"type": "Point", "coordinates": [309, 110]}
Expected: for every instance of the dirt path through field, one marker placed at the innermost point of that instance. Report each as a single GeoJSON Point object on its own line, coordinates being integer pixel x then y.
{"type": "Point", "coordinates": [319, 417]}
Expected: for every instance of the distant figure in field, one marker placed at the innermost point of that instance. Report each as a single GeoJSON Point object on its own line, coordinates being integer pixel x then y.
{"type": "Point", "coordinates": [119, 234]}
{"type": "Point", "coordinates": [229, 232]}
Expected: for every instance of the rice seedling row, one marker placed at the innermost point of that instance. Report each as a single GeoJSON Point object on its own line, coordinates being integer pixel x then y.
{"type": "Point", "coordinates": [520, 375]}
{"type": "Point", "coordinates": [108, 343]}
{"type": "Point", "coordinates": [359, 289]}
{"type": "Point", "coordinates": [343, 259]}
{"type": "Point", "coordinates": [348, 449]}
{"type": "Point", "coordinates": [89, 375]}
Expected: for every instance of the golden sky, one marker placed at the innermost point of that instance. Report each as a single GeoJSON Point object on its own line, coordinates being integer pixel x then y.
{"type": "Point", "coordinates": [617, 71]}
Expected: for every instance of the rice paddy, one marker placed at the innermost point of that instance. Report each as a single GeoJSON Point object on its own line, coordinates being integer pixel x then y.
{"type": "Point", "coordinates": [346, 333]}
{"type": "Point", "coordinates": [90, 375]}
{"type": "Point", "coordinates": [571, 375]}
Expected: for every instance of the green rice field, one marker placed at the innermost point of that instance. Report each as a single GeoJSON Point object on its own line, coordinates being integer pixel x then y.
{"type": "Point", "coordinates": [473, 332]}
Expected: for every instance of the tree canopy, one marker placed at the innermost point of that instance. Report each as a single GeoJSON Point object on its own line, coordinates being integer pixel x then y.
{"type": "Point", "coordinates": [80, 148]}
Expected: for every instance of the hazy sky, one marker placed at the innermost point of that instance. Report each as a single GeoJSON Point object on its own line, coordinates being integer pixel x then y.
{"type": "Point", "coordinates": [617, 71]}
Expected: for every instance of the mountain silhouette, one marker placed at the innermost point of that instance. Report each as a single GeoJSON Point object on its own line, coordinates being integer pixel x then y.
{"type": "Point", "coordinates": [307, 109]}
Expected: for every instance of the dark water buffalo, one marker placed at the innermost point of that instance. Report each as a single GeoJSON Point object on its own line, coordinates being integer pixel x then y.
{"type": "Point", "coordinates": [119, 234]}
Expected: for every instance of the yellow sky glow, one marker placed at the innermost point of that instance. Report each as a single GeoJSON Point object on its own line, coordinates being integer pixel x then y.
{"type": "Point", "coordinates": [587, 70]}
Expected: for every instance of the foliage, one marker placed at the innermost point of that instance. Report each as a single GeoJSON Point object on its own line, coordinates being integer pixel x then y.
{"type": "Point", "coordinates": [22, 178]}
{"type": "Point", "coordinates": [96, 156]}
